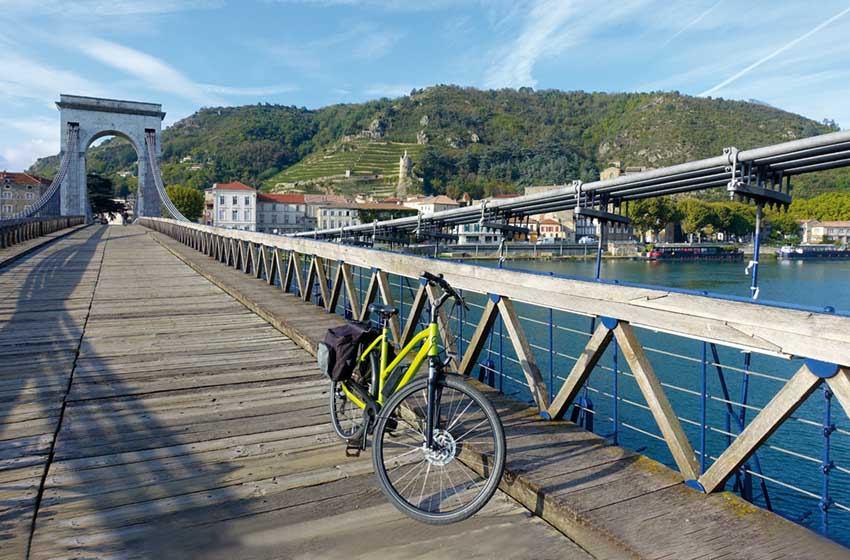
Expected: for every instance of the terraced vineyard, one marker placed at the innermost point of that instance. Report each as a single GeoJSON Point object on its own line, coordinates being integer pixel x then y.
{"type": "Point", "coordinates": [373, 165]}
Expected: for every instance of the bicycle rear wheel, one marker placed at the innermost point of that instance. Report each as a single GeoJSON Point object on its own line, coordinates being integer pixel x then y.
{"type": "Point", "coordinates": [347, 418]}
{"type": "Point", "coordinates": [457, 478]}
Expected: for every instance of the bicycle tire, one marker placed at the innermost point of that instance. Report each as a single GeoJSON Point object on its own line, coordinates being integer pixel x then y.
{"type": "Point", "coordinates": [465, 457]}
{"type": "Point", "coordinates": [344, 415]}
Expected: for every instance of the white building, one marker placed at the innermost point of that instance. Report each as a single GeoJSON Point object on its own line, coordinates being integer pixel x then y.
{"type": "Point", "coordinates": [431, 204]}
{"type": "Point", "coordinates": [235, 206]}
{"type": "Point", "coordinates": [281, 213]}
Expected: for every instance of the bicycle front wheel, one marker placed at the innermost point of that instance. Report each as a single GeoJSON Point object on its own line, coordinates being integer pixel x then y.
{"type": "Point", "coordinates": [459, 475]}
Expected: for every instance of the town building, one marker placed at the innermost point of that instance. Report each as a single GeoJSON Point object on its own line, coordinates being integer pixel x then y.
{"type": "Point", "coordinates": [235, 206]}
{"type": "Point", "coordinates": [18, 191]}
{"type": "Point", "coordinates": [431, 204]}
{"type": "Point", "coordinates": [550, 228]}
{"type": "Point", "coordinates": [815, 231]}
{"type": "Point", "coordinates": [281, 214]}
{"type": "Point", "coordinates": [333, 215]}
{"type": "Point", "coordinates": [208, 216]}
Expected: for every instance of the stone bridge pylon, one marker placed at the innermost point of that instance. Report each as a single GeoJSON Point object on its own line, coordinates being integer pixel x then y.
{"type": "Point", "coordinates": [96, 118]}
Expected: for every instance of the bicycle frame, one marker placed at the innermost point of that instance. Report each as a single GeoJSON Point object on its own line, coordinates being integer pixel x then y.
{"type": "Point", "coordinates": [428, 341]}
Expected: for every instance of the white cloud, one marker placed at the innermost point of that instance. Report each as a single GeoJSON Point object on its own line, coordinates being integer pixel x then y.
{"type": "Point", "coordinates": [154, 72]}
{"type": "Point", "coordinates": [548, 30]}
{"type": "Point", "coordinates": [388, 90]}
{"type": "Point", "coordinates": [24, 154]}
{"type": "Point", "coordinates": [101, 8]}
{"type": "Point", "coordinates": [249, 91]}
{"type": "Point", "coordinates": [774, 53]}
{"type": "Point", "coordinates": [22, 77]}
{"type": "Point", "coordinates": [693, 22]}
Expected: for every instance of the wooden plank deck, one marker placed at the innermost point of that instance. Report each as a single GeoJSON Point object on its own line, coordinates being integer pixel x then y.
{"type": "Point", "coordinates": [188, 427]}
{"type": "Point", "coordinates": [612, 501]}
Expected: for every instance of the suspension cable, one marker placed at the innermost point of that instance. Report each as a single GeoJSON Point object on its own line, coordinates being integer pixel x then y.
{"type": "Point", "coordinates": [150, 141]}
{"type": "Point", "coordinates": [73, 133]}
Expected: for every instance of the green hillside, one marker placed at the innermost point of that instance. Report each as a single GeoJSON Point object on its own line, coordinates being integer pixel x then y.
{"type": "Point", "coordinates": [461, 140]}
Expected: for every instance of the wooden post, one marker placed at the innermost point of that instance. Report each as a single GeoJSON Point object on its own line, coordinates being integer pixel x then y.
{"type": "Point", "coordinates": [371, 292]}
{"type": "Point", "coordinates": [445, 328]}
{"type": "Point", "coordinates": [840, 385]}
{"type": "Point", "coordinates": [479, 337]}
{"type": "Point", "coordinates": [524, 354]}
{"type": "Point", "coordinates": [322, 279]}
{"type": "Point", "coordinates": [581, 371]}
{"type": "Point", "coordinates": [413, 315]}
{"type": "Point", "coordinates": [387, 296]}
{"type": "Point", "coordinates": [262, 262]}
{"type": "Point", "coordinates": [780, 407]}
{"type": "Point", "coordinates": [330, 303]}
{"type": "Point", "coordinates": [660, 407]}
{"type": "Point", "coordinates": [350, 289]}
{"type": "Point", "coordinates": [307, 294]}
{"type": "Point", "coordinates": [275, 266]}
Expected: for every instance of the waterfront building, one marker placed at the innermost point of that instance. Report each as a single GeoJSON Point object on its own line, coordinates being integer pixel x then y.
{"type": "Point", "coordinates": [234, 206]}
{"type": "Point", "coordinates": [332, 215]}
{"type": "Point", "coordinates": [18, 191]}
{"type": "Point", "coordinates": [431, 204]}
{"type": "Point", "coordinates": [281, 213]}
{"type": "Point", "coordinates": [207, 217]}
{"type": "Point", "coordinates": [815, 231]}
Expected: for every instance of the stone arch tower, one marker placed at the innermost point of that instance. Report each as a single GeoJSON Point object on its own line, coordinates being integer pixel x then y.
{"type": "Point", "coordinates": [97, 118]}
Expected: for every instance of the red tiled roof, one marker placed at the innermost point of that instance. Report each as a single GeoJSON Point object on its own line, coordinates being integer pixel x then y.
{"type": "Point", "coordinates": [23, 178]}
{"type": "Point", "coordinates": [281, 198]}
{"type": "Point", "coordinates": [550, 221]}
{"type": "Point", "coordinates": [234, 186]}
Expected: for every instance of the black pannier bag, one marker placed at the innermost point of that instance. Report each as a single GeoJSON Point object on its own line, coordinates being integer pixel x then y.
{"type": "Point", "coordinates": [337, 354]}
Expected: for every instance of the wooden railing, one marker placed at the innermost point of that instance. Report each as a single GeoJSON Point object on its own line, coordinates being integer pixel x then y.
{"type": "Point", "coordinates": [820, 339]}
{"type": "Point", "coordinates": [18, 230]}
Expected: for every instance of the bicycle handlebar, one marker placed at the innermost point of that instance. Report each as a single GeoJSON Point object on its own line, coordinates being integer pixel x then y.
{"type": "Point", "coordinates": [447, 288]}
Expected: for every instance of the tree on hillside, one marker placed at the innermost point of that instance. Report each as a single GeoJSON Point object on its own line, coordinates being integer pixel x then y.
{"type": "Point", "coordinates": [189, 201]}
{"type": "Point", "coordinates": [101, 193]}
{"type": "Point", "coordinates": [698, 217]}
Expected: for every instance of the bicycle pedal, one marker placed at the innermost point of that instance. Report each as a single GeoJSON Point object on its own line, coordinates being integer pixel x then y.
{"type": "Point", "coordinates": [352, 450]}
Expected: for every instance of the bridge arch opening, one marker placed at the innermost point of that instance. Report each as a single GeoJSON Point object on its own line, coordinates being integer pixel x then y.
{"type": "Point", "coordinates": [110, 193]}
{"type": "Point", "coordinates": [138, 124]}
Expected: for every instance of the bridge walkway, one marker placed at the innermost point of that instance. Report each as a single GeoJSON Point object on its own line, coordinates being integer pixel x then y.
{"type": "Point", "coordinates": [612, 501]}
{"type": "Point", "coordinates": [145, 413]}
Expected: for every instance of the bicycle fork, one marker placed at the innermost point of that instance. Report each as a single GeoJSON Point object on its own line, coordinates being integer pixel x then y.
{"type": "Point", "coordinates": [433, 401]}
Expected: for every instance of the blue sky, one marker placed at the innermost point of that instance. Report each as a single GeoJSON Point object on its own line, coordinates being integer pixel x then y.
{"type": "Point", "coordinates": [186, 54]}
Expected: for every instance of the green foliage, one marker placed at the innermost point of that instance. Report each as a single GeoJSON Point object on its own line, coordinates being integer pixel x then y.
{"type": "Point", "coordinates": [825, 207]}
{"type": "Point", "coordinates": [479, 141]}
{"type": "Point", "coordinates": [653, 214]}
{"type": "Point", "coordinates": [100, 192]}
{"type": "Point", "coordinates": [189, 201]}
{"type": "Point", "coordinates": [707, 218]}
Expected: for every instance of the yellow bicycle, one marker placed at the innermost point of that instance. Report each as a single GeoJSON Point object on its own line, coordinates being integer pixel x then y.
{"type": "Point", "coordinates": [438, 444]}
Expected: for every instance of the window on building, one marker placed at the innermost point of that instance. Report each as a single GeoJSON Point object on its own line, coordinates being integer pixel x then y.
{"type": "Point", "coordinates": [30, 196]}
{"type": "Point", "coordinates": [274, 218]}
{"type": "Point", "coordinates": [247, 201]}
{"type": "Point", "coordinates": [221, 214]}
{"type": "Point", "coordinates": [7, 195]}
{"type": "Point", "coordinates": [235, 200]}
{"type": "Point", "coordinates": [235, 215]}
{"type": "Point", "coordinates": [221, 200]}
{"type": "Point", "coordinates": [7, 208]}
{"type": "Point", "coordinates": [247, 215]}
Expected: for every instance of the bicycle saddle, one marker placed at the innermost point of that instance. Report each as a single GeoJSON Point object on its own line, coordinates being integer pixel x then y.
{"type": "Point", "coordinates": [384, 310]}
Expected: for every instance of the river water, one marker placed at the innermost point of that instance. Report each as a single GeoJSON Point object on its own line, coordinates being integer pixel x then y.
{"type": "Point", "coordinates": [787, 475]}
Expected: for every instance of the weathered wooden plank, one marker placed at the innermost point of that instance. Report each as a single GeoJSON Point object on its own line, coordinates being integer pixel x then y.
{"type": "Point", "coordinates": [582, 369]}
{"type": "Point", "coordinates": [780, 407]}
{"type": "Point", "coordinates": [524, 353]}
{"type": "Point", "coordinates": [659, 405]}
{"type": "Point", "coordinates": [387, 296]}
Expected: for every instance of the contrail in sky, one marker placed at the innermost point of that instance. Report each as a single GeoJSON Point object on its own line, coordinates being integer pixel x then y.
{"type": "Point", "coordinates": [693, 22]}
{"type": "Point", "coordinates": [775, 53]}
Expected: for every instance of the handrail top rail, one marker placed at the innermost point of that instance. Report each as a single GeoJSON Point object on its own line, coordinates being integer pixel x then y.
{"type": "Point", "coordinates": [757, 327]}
